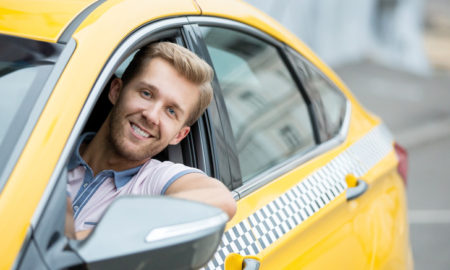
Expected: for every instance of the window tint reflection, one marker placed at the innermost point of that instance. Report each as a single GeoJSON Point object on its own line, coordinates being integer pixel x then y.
{"type": "Point", "coordinates": [269, 118]}
{"type": "Point", "coordinates": [24, 67]}
{"type": "Point", "coordinates": [327, 100]}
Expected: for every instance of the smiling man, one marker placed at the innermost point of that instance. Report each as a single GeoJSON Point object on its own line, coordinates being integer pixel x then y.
{"type": "Point", "coordinates": [163, 91]}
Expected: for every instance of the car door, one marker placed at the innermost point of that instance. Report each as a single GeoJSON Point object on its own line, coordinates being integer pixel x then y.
{"type": "Point", "coordinates": [46, 123]}
{"type": "Point", "coordinates": [310, 195]}
{"type": "Point", "coordinates": [46, 245]}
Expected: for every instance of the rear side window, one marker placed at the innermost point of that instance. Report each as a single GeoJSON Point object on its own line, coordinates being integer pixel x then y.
{"type": "Point", "coordinates": [328, 102]}
{"type": "Point", "coordinates": [268, 115]}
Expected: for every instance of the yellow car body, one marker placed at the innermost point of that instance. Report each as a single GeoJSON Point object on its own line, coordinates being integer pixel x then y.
{"type": "Point", "coordinates": [370, 232]}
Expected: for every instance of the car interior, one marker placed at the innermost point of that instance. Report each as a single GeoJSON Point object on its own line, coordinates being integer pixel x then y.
{"type": "Point", "coordinates": [184, 152]}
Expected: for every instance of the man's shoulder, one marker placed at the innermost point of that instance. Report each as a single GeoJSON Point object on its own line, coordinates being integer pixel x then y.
{"type": "Point", "coordinates": [154, 166]}
{"type": "Point", "coordinates": [157, 164]}
{"type": "Point", "coordinates": [156, 176]}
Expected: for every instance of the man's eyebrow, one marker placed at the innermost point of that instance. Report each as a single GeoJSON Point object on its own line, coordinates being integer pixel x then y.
{"type": "Point", "coordinates": [147, 85]}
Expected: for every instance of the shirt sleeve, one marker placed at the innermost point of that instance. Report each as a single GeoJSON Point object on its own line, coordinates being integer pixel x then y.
{"type": "Point", "coordinates": [156, 177]}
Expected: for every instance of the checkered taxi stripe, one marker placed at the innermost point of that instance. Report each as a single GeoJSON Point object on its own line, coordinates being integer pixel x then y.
{"type": "Point", "coordinates": [278, 217]}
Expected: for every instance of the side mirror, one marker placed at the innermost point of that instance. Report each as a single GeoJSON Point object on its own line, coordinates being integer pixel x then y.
{"type": "Point", "coordinates": [153, 233]}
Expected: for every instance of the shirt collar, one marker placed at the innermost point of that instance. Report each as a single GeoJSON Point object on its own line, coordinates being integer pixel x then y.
{"type": "Point", "coordinates": [120, 178]}
{"type": "Point", "coordinates": [123, 177]}
{"type": "Point", "coordinates": [76, 159]}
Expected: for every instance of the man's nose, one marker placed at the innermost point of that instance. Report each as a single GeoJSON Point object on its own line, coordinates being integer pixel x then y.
{"type": "Point", "coordinates": [153, 114]}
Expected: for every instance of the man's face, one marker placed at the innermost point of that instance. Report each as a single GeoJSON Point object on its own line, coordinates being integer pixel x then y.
{"type": "Point", "coordinates": [150, 112]}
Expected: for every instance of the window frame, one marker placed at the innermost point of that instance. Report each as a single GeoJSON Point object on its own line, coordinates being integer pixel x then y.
{"type": "Point", "coordinates": [268, 175]}
{"type": "Point", "coordinates": [211, 143]}
{"type": "Point", "coordinates": [242, 132]}
{"type": "Point", "coordinates": [221, 143]}
{"type": "Point", "coordinates": [323, 134]}
{"type": "Point", "coordinates": [14, 142]}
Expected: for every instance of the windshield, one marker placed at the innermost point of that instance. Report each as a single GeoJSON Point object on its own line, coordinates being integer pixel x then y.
{"type": "Point", "coordinates": [24, 68]}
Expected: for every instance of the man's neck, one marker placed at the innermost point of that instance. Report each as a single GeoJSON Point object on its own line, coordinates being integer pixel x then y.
{"type": "Point", "coordinates": [100, 155]}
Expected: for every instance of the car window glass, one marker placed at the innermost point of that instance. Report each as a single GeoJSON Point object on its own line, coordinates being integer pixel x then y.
{"type": "Point", "coordinates": [121, 69]}
{"type": "Point", "coordinates": [21, 64]}
{"type": "Point", "coordinates": [13, 88]}
{"type": "Point", "coordinates": [268, 116]}
{"type": "Point", "coordinates": [326, 98]}
{"type": "Point", "coordinates": [24, 68]}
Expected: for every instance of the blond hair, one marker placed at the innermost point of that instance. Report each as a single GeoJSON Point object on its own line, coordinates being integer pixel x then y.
{"type": "Point", "coordinates": [187, 63]}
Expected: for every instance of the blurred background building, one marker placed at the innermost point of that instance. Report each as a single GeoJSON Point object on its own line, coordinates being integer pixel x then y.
{"type": "Point", "coordinates": [385, 31]}
{"type": "Point", "coordinates": [395, 57]}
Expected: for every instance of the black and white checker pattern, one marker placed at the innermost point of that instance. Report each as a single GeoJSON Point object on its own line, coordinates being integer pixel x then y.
{"type": "Point", "coordinates": [237, 239]}
{"type": "Point", "coordinates": [281, 215]}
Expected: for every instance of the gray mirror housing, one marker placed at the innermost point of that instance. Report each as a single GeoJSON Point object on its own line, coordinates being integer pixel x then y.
{"type": "Point", "coordinates": [153, 233]}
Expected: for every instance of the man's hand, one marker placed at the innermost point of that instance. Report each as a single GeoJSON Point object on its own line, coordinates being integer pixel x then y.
{"type": "Point", "coordinates": [82, 234]}
{"type": "Point", "coordinates": [69, 230]}
{"type": "Point", "coordinates": [201, 188]}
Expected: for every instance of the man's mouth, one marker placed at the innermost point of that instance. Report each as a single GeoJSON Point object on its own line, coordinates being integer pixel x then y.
{"type": "Point", "coordinates": [139, 131]}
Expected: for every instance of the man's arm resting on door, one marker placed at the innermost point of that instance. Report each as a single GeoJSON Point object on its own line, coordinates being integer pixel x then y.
{"type": "Point", "coordinates": [201, 188]}
{"type": "Point", "coordinates": [196, 187]}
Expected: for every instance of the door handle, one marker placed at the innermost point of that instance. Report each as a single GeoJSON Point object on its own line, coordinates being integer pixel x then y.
{"type": "Point", "coordinates": [235, 261]}
{"type": "Point", "coordinates": [356, 189]}
{"type": "Point", "coordinates": [250, 264]}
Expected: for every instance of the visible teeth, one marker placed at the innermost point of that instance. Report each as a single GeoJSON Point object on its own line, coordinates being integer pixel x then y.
{"type": "Point", "coordinates": [140, 131]}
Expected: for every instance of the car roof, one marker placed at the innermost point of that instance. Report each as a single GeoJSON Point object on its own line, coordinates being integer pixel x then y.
{"type": "Point", "coordinates": [47, 20]}
{"type": "Point", "coordinates": [83, 20]}
{"type": "Point", "coordinates": [43, 20]}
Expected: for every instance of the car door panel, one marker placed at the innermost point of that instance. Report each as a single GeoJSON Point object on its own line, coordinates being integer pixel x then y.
{"type": "Point", "coordinates": [56, 130]}
{"type": "Point", "coordinates": [31, 258]}
{"type": "Point", "coordinates": [291, 228]}
{"type": "Point", "coordinates": [297, 213]}
{"type": "Point", "coordinates": [341, 234]}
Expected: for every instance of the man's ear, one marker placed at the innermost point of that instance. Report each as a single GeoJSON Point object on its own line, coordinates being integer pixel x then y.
{"type": "Point", "coordinates": [114, 90]}
{"type": "Point", "coordinates": [184, 131]}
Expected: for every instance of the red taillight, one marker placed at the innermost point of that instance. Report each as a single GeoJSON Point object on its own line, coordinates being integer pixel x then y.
{"type": "Point", "coordinates": [402, 155]}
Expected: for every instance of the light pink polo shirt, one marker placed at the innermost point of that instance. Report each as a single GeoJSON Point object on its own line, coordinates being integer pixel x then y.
{"type": "Point", "coordinates": [91, 196]}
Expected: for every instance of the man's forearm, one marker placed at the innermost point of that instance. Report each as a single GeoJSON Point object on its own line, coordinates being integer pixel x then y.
{"type": "Point", "coordinates": [201, 188]}
{"type": "Point", "coordinates": [212, 196]}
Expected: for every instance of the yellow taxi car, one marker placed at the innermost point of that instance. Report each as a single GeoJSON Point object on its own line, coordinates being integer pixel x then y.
{"type": "Point", "coordinates": [319, 181]}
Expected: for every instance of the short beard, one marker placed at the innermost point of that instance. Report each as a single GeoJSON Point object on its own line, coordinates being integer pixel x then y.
{"type": "Point", "coordinates": [116, 141]}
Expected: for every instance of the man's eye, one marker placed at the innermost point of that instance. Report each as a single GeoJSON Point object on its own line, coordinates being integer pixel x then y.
{"type": "Point", "coordinates": [146, 94]}
{"type": "Point", "coordinates": [171, 111]}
